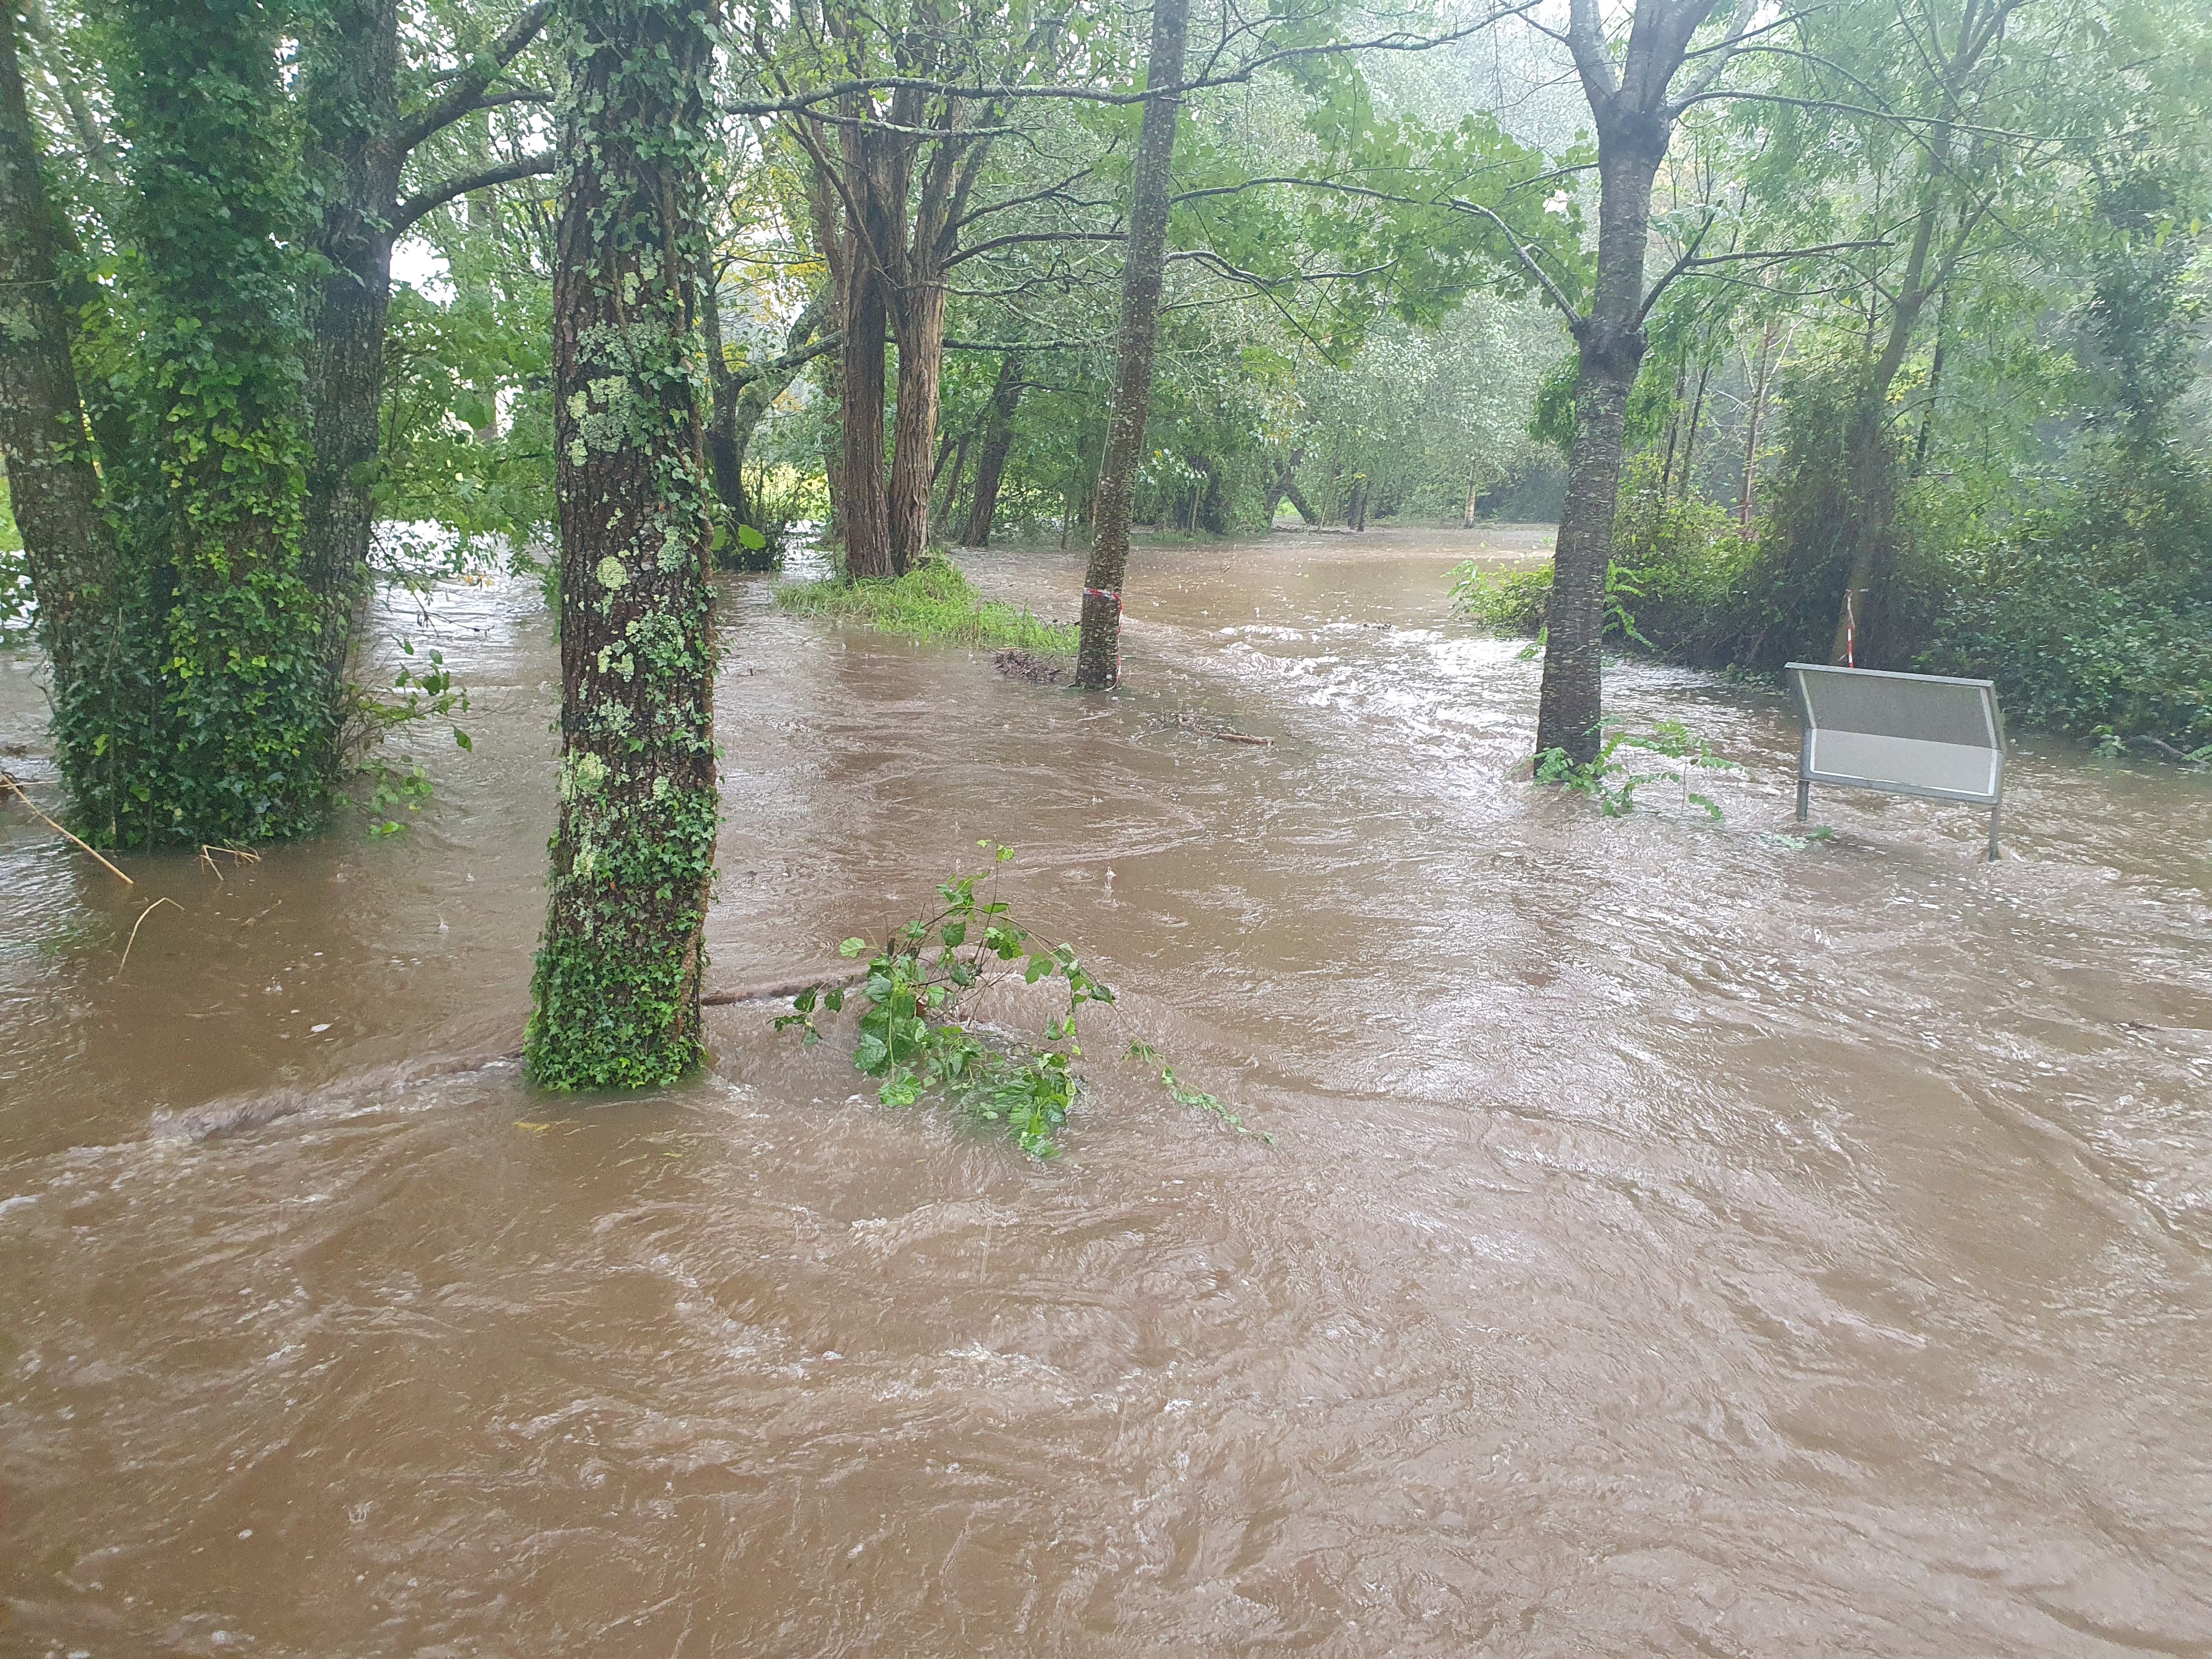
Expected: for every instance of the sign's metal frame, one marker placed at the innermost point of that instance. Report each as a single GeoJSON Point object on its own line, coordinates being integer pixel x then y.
{"type": "Point", "coordinates": [1806, 777]}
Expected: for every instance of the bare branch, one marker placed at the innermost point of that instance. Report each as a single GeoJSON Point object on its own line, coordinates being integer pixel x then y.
{"type": "Point", "coordinates": [436, 196]}
{"type": "Point", "coordinates": [1528, 260]}
{"type": "Point", "coordinates": [1764, 255]}
{"type": "Point", "coordinates": [462, 91]}
{"type": "Point", "coordinates": [804, 103]}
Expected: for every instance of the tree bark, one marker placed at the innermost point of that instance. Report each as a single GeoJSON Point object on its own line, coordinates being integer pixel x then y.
{"type": "Point", "coordinates": [998, 444]}
{"type": "Point", "coordinates": [52, 482]}
{"type": "Point", "coordinates": [1635, 125]}
{"type": "Point", "coordinates": [948, 484]}
{"type": "Point", "coordinates": [349, 95]}
{"type": "Point", "coordinates": [725, 457]}
{"type": "Point", "coordinates": [920, 330]}
{"type": "Point", "coordinates": [1762, 369]}
{"type": "Point", "coordinates": [1098, 653]}
{"type": "Point", "coordinates": [616, 996]}
{"type": "Point", "coordinates": [865, 502]}
{"type": "Point", "coordinates": [358, 140]}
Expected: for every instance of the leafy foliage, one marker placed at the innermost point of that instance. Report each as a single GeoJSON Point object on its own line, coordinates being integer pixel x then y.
{"type": "Point", "coordinates": [1614, 776]}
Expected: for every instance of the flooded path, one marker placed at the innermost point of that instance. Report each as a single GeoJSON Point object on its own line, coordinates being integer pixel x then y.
{"type": "Point", "coordinates": [1675, 1238]}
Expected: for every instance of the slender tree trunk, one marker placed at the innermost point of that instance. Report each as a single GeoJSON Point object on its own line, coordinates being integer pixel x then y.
{"type": "Point", "coordinates": [1610, 348]}
{"type": "Point", "coordinates": [725, 456]}
{"type": "Point", "coordinates": [349, 95]}
{"type": "Point", "coordinates": [38, 28]}
{"type": "Point", "coordinates": [615, 997]}
{"type": "Point", "coordinates": [1762, 372]}
{"type": "Point", "coordinates": [53, 484]}
{"type": "Point", "coordinates": [1674, 427]}
{"type": "Point", "coordinates": [484, 220]}
{"type": "Point", "coordinates": [913, 428]}
{"type": "Point", "coordinates": [998, 444]}
{"type": "Point", "coordinates": [1473, 494]}
{"type": "Point", "coordinates": [948, 484]}
{"type": "Point", "coordinates": [1689, 432]}
{"type": "Point", "coordinates": [1870, 458]}
{"type": "Point", "coordinates": [1098, 655]}
{"type": "Point", "coordinates": [1210, 510]}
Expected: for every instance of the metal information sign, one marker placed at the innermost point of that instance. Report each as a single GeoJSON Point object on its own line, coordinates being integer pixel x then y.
{"type": "Point", "coordinates": [1910, 734]}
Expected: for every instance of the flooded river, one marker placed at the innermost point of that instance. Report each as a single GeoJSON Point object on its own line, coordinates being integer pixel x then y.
{"type": "Point", "coordinates": [1674, 1237]}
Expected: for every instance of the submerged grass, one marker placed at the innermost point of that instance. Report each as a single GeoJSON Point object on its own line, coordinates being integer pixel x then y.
{"type": "Point", "coordinates": [932, 601]}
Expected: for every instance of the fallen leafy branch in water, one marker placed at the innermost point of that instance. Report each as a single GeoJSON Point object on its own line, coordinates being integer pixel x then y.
{"type": "Point", "coordinates": [916, 1035]}
{"type": "Point", "coordinates": [1145, 1055]}
{"type": "Point", "coordinates": [1611, 779]}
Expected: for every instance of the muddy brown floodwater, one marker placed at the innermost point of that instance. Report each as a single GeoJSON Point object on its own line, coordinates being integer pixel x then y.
{"type": "Point", "coordinates": [1675, 1238]}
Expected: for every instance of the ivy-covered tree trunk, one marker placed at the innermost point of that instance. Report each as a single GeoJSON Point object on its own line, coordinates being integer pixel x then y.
{"type": "Point", "coordinates": [1098, 651]}
{"type": "Point", "coordinates": [52, 483]}
{"type": "Point", "coordinates": [217, 724]}
{"type": "Point", "coordinates": [998, 444]}
{"type": "Point", "coordinates": [616, 999]}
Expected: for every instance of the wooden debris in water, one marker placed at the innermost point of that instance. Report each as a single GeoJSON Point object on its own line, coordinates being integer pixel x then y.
{"type": "Point", "coordinates": [8, 781]}
{"type": "Point", "coordinates": [1205, 725]}
{"type": "Point", "coordinates": [1028, 665]}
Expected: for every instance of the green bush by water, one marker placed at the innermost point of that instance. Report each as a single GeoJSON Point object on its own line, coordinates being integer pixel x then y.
{"type": "Point", "coordinates": [932, 601]}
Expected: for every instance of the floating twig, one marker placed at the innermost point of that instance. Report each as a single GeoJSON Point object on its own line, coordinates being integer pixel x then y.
{"type": "Point", "coordinates": [7, 779]}
{"type": "Point", "coordinates": [237, 855]}
{"type": "Point", "coordinates": [143, 914]}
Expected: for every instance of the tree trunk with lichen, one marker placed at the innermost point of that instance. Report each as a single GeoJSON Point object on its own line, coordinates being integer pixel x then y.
{"type": "Point", "coordinates": [1098, 650]}
{"type": "Point", "coordinates": [615, 997]}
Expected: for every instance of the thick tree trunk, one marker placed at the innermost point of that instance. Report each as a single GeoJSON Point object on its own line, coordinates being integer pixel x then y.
{"type": "Point", "coordinates": [1098, 655]}
{"type": "Point", "coordinates": [349, 95]}
{"type": "Point", "coordinates": [615, 997]}
{"type": "Point", "coordinates": [53, 484]}
{"type": "Point", "coordinates": [998, 444]}
{"type": "Point", "coordinates": [920, 317]}
{"type": "Point", "coordinates": [1610, 348]}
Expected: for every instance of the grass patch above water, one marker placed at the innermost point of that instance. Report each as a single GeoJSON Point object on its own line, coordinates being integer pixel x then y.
{"type": "Point", "coordinates": [932, 601]}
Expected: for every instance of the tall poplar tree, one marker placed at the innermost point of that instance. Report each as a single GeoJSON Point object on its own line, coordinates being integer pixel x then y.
{"type": "Point", "coordinates": [617, 992]}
